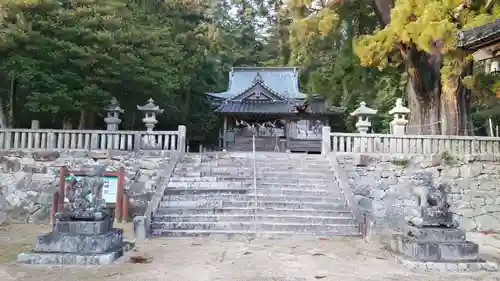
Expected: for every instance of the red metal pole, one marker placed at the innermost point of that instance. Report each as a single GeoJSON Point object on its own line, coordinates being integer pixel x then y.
{"type": "Point", "coordinates": [125, 207]}
{"type": "Point", "coordinates": [53, 207]}
{"type": "Point", "coordinates": [119, 194]}
{"type": "Point", "coordinates": [62, 186]}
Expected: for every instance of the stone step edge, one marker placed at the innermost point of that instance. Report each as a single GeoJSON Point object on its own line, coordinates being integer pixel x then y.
{"type": "Point", "coordinates": [253, 209]}
{"type": "Point", "coordinates": [230, 189]}
{"type": "Point", "coordinates": [261, 232]}
{"type": "Point", "coordinates": [257, 215]}
{"type": "Point", "coordinates": [277, 202]}
{"type": "Point", "coordinates": [222, 195]}
{"type": "Point", "coordinates": [261, 223]}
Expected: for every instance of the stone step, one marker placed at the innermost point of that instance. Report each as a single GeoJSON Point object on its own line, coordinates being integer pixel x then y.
{"type": "Point", "coordinates": [258, 225]}
{"type": "Point", "coordinates": [259, 167]}
{"type": "Point", "coordinates": [293, 176]}
{"type": "Point", "coordinates": [262, 183]}
{"type": "Point", "coordinates": [277, 181]}
{"type": "Point", "coordinates": [317, 193]}
{"type": "Point", "coordinates": [268, 179]}
{"type": "Point", "coordinates": [213, 169]}
{"type": "Point", "coordinates": [208, 178]}
{"type": "Point", "coordinates": [248, 188]}
{"type": "Point", "coordinates": [252, 197]}
{"type": "Point", "coordinates": [293, 164]}
{"type": "Point", "coordinates": [333, 212]}
{"type": "Point", "coordinates": [205, 184]}
{"type": "Point", "coordinates": [261, 204]}
{"type": "Point", "coordinates": [234, 234]}
{"type": "Point", "coordinates": [210, 174]}
{"type": "Point", "coordinates": [246, 218]}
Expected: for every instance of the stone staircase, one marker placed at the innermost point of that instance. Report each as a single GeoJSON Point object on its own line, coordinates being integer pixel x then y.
{"type": "Point", "coordinates": [295, 195]}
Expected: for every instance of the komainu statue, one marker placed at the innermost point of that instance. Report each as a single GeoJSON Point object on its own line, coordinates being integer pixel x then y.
{"type": "Point", "coordinates": [84, 197]}
{"type": "Point", "coordinates": [434, 208]}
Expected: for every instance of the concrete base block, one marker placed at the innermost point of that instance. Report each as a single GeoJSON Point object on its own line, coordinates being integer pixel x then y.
{"type": "Point", "coordinates": [79, 243]}
{"type": "Point", "coordinates": [434, 251]}
{"type": "Point", "coordinates": [140, 228]}
{"type": "Point", "coordinates": [435, 234]}
{"type": "Point", "coordinates": [69, 259]}
{"type": "Point", "coordinates": [83, 227]}
{"type": "Point", "coordinates": [470, 266]}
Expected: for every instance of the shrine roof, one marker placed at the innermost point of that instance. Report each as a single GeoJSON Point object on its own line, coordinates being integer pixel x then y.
{"type": "Point", "coordinates": [283, 81]}
{"type": "Point", "coordinates": [476, 37]}
{"type": "Point", "coordinates": [274, 107]}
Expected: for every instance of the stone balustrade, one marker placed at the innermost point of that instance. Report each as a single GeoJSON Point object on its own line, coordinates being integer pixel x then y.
{"type": "Point", "coordinates": [47, 139]}
{"type": "Point", "coordinates": [408, 144]}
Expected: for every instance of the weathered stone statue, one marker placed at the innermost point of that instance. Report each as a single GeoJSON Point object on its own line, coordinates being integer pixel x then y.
{"type": "Point", "coordinates": [80, 207]}
{"type": "Point", "coordinates": [434, 208]}
{"type": "Point", "coordinates": [432, 240]}
{"type": "Point", "coordinates": [83, 233]}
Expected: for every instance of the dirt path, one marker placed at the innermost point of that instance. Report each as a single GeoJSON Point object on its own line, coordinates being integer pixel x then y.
{"type": "Point", "coordinates": [210, 260]}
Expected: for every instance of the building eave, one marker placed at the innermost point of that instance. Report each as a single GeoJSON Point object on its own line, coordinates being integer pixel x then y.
{"type": "Point", "coordinates": [479, 36]}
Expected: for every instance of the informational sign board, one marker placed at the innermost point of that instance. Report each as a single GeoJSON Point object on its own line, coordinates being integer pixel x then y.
{"type": "Point", "coordinates": [109, 189]}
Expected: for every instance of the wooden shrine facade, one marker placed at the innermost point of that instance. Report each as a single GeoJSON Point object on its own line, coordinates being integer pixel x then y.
{"type": "Point", "coordinates": [266, 102]}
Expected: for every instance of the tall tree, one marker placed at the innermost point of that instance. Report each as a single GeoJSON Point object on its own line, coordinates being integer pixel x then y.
{"type": "Point", "coordinates": [421, 35]}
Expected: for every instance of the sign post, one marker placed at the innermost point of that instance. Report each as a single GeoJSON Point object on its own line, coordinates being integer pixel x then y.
{"type": "Point", "coordinates": [113, 190]}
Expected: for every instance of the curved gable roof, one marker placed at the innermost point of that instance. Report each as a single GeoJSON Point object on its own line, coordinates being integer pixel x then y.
{"type": "Point", "coordinates": [284, 81]}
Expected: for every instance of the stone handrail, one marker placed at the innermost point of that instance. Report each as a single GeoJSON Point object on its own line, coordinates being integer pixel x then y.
{"type": "Point", "coordinates": [47, 139]}
{"type": "Point", "coordinates": [408, 144]}
{"type": "Point", "coordinates": [161, 186]}
{"type": "Point", "coordinates": [343, 183]}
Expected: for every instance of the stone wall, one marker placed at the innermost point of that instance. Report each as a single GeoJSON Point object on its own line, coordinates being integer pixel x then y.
{"type": "Point", "coordinates": [28, 179]}
{"type": "Point", "coordinates": [383, 184]}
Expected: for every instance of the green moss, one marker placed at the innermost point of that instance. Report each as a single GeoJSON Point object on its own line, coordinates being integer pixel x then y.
{"type": "Point", "coordinates": [447, 158]}
{"type": "Point", "coordinates": [400, 162]}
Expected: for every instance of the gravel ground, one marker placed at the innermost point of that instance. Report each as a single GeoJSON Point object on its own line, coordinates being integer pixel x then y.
{"type": "Point", "coordinates": [335, 259]}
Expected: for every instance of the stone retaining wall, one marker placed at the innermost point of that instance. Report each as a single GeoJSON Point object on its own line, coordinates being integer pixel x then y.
{"type": "Point", "coordinates": [28, 179]}
{"type": "Point", "coordinates": [382, 187]}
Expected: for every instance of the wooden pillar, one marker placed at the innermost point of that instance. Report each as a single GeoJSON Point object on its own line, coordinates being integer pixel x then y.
{"type": "Point", "coordinates": [53, 207]}
{"type": "Point", "coordinates": [119, 195]}
{"type": "Point", "coordinates": [220, 138]}
{"type": "Point", "coordinates": [285, 129]}
{"type": "Point", "coordinates": [224, 133]}
{"type": "Point", "coordinates": [62, 187]}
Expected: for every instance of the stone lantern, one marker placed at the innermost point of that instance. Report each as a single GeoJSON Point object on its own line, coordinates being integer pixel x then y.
{"type": "Point", "coordinates": [363, 113]}
{"type": "Point", "coordinates": [112, 119]}
{"type": "Point", "coordinates": [150, 110]}
{"type": "Point", "coordinates": [398, 124]}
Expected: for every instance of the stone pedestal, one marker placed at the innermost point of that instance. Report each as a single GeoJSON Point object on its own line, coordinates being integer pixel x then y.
{"type": "Point", "coordinates": [77, 242]}
{"type": "Point", "coordinates": [438, 249]}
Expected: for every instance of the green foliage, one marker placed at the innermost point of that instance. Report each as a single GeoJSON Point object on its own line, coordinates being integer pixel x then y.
{"type": "Point", "coordinates": [324, 51]}
{"type": "Point", "coordinates": [447, 158]}
{"type": "Point", "coordinates": [65, 60]}
{"type": "Point", "coordinates": [400, 162]}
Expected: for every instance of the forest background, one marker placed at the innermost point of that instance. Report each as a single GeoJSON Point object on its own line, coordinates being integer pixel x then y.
{"type": "Point", "coordinates": [62, 61]}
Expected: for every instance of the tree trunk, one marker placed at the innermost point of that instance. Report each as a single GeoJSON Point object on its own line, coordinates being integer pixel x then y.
{"type": "Point", "coordinates": [449, 107]}
{"type": "Point", "coordinates": [67, 125]}
{"type": "Point", "coordinates": [463, 100]}
{"type": "Point", "coordinates": [424, 92]}
{"type": "Point", "coordinates": [187, 103]}
{"type": "Point", "coordinates": [3, 116]}
{"type": "Point", "coordinates": [82, 120]}
{"type": "Point", "coordinates": [12, 103]}
{"type": "Point", "coordinates": [455, 102]}
{"type": "Point", "coordinates": [90, 120]}
{"type": "Point", "coordinates": [382, 9]}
